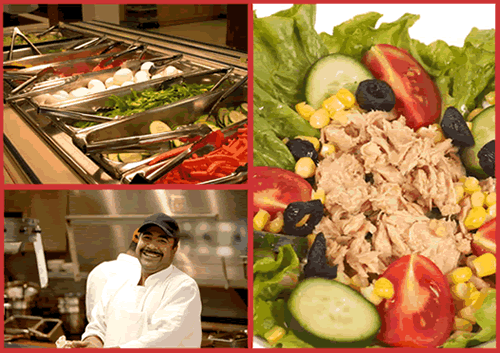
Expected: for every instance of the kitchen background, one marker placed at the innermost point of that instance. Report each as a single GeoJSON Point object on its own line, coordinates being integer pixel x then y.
{"type": "Point", "coordinates": [82, 228]}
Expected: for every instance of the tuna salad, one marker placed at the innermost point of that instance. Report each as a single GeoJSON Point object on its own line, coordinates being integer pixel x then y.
{"type": "Point", "coordinates": [374, 187]}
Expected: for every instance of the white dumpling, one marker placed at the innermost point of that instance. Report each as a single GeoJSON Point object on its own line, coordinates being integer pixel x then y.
{"type": "Point", "coordinates": [122, 75]}
{"type": "Point", "coordinates": [109, 82]}
{"type": "Point", "coordinates": [169, 71]}
{"type": "Point", "coordinates": [141, 76]}
{"type": "Point", "coordinates": [146, 66]}
{"type": "Point", "coordinates": [41, 98]}
{"type": "Point", "coordinates": [62, 93]}
{"type": "Point", "coordinates": [97, 89]}
{"type": "Point", "coordinates": [96, 83]}
{"type": "Point", "coordinates": [79, 92]}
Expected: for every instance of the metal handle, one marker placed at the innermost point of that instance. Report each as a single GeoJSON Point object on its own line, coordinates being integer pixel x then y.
{"type": "Point", "coordinates": [93, 41]}
{"type": "Point", "coordinates": [16, 32]}
{"type": "Point", "coordinates": [61, 113]}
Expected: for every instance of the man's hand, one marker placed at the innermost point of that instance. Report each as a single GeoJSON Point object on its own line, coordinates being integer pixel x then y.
{"type": "Point", "coordinates": [89, 342]}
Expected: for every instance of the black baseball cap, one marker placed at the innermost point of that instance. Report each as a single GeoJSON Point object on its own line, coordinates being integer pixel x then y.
{"type": "Point", "coordinates": [166, 223]}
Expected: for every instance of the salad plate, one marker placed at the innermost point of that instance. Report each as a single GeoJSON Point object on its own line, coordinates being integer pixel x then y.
{"type": "Point", "coordinates": [340, 107]}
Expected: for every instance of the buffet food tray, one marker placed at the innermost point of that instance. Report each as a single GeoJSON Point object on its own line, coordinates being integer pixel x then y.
{"type": "Point", "coordinates": [71, 143]}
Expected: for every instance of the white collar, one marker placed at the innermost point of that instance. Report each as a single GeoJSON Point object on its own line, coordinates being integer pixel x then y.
{"type": "Point", "coordinates": [159, 276]}
{"type": "Point", "coordinates": [127, 258]}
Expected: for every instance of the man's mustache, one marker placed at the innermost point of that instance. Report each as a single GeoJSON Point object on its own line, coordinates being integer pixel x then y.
{"type": "Point", "coordinates": [151, 249]}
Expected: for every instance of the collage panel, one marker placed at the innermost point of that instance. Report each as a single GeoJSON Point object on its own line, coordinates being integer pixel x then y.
{"type": "Point", "coordinates": [125, 94]}
{"type": "Point", "coordinates": [125, 268]}
{"type": "Point", "coordinates": [374, 186]}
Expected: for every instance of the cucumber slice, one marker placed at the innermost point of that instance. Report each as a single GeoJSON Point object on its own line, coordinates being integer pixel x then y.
{"type": "Point", "coordinates": [130, 157]}
{"type": "Point", "coordinates": [483, 131]}
{"type": "Point", "coordinates": [223, 113]}
{"type": "Point", "coordinates": [330, 312]}
{"type": "Point", "coordinates": [331, 73]}
{"type": "Point", "coordinates": [202, 119]}
{"type": "Point", "coordinates": [158, 126]}
{"type": "Point", "coordinates": [244, 107]}
{"type": "Point", "coordinates": [236, 116]}
{"type": "Point", "coordinates": [113, 157]}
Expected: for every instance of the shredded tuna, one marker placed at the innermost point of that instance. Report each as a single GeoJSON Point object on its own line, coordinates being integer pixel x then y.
{"type": "Point", "coordinates": [385, 180]}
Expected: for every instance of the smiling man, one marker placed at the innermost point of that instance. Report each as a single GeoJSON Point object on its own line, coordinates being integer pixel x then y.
{"type": "Point", "coordinates": [159, 308]}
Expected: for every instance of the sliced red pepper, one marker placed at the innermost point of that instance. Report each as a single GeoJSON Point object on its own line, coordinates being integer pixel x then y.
{"type": "Point", "coordinates": [169, 154]}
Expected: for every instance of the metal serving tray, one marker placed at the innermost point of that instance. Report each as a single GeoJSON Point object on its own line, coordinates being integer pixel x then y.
{"type": "Point", "coordinates": [65, 32]}
{"type": "Point", "coordinates": [36, 63]}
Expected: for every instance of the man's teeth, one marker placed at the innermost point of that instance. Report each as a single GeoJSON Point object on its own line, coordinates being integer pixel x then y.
{"type": "Point", "coordinates": [150, 254]}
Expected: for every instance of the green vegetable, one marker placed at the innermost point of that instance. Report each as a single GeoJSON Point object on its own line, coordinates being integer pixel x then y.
{"type": "Point", "coordinates": [138, 102]}
{"type": "Point", "coordinates": [331, 73]}
{"type": "Point", "coordinates": [130, 157]}
{"type": "Point", "coordinates": [32, 38]}
{"type": "Point", "coordinates": [84, 124]}
{"type": "Point", "coordinates": [330, 313]}
{"type": "Point", "coordinates": [286, 45]}
{"type": "Point", "coordinates": [483, 131]}
{"type": "Point", "coordinates": [486, 318]}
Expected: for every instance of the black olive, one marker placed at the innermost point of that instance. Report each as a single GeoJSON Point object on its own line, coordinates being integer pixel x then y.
{"type": "Point", "coordinates": [375, 95]}
{"type": "Point", "coordinates": [486, 156]}
{"type": "Point", "coordinates": [454, 127]}
{"type": "Point", "coordinates": [296, 211]}
{"type": "Point", "coordinates": [369, 178]}
{"type": "Point", "coordinates": [368, 236]}
{"type": "Point", "coordinates": [302, 148]}
{"type": "Point", "coordinates": [311, 181]}
{"type": "Point", "coordinates": [317, 265]}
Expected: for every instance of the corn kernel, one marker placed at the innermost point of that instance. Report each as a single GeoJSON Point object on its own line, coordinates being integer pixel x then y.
{"type": "Point", "coordinates": [305, 110]}
{"type": "Point", "coordinates": [467, 313]}
{"type": "Point", "coordinates": [276, 225]}
{"type": "Point", "coordinates": [469, 262]}
{"type": "Point", "coordinates": [490, 97]}
{"type": "Point", "coordinates": [471, 185]}
{"type": "Point", "coordinates": [275, 334]}
{"type": "Point", "coordinates": [482, 296]}
{"type": "Point", "coordinates": [460, 192]}
{"type": "Point", "coordinates": [462, 324]}
{"type": "Point", "coordinates": [469, 124]}
{"type": "Point", "coordinates": [260, 219]}
{"type": "Point", "coordinates": [384, 288]}
{"type": "Point", "coordinates": [306, 168]}
{"type": "Point", "coordinates": [311, 139]}
{"type": "Point", "coordinates": [438, 133]}
{"type": "Point", "coordinates": [346, 98]}
{"type": "Point", "coordinates": [474, 113]}
{"type": "Point", "coordinates": [491, 212]}
{"type": "Point", "coordinates": [319, 195]}
{"type": "Point", "coordinates": [327, 149]}
{"type": "Point", "coordinates": [342, 117]}
{"type": "Point", "coordinates": [472, 298]}
{"type": "Point", "coordinates": [485, 265]}
{"type": "Point", "coordinates": [462, 180]}
{"type": "Point", "coordinates": [332, 104]}
{"type": "Point", "coordinates": [491, 199]}
{"type": "Point", "coordinates": [343, 278]}
{"type": "Point", "coordinates": [471, 288]}
{"type": "Point", "coordinates": [320, 119]}
{"type": "Point", "coordinates": [369, 294]}
{"type": "Point", "coordinates": [460, 291]}
{"type": "Point", "coordinates": [475, 218]}
{"type": "Point", "coordinates": [477, 199]}
{"type": "Point", "coordinates": [460, 275]}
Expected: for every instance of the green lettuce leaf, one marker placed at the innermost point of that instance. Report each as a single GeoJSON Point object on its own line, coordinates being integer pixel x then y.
{"type": "Point", "coordinates": [486, 318]}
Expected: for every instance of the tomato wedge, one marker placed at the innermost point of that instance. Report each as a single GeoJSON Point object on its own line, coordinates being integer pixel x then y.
{"type": "Point", "coordinates": [275, 188]}
{"type": "Point", "coordinates": [421, 312]}
{"type": "Point", "coordinates": [484, 240]}
{"type": "Point", "coordinates": [417, 96]}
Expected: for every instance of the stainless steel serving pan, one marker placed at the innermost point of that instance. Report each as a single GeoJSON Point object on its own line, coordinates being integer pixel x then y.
{"type": "Point", "coordinates": [37, 63]}
{"type": "Point", "coordinates": [67, 35]}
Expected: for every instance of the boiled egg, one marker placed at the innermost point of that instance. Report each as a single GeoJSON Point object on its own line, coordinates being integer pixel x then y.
{"type": "Point", "coordinates": [127, 83]}
{"type": "Point", "coordinates": [79, 92]}
{"type": "Point", "coordinates": [109, 82]}
{"type": "Point", "coordinates": [122, 75]}
{"type": "Point", "coordinates": [62, 93]}
{"type": "Point", "coordinates": [97, 84]}
{"type": "Point", "coordinates": [169, 71]}
{"type": "Point", "coordinates": [141, 76]}
{"type": "Point", "coordinates": [146, 66]}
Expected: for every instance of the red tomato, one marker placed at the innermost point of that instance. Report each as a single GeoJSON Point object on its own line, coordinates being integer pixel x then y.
{"type": "Point", "coordinates": [484, 240]}
{"type": "Point", "coordinates": [275, 188]}
{"type": "Point", "coordinates": [421, 312]}
{"type": "Point", "coordinates": [417, 96]}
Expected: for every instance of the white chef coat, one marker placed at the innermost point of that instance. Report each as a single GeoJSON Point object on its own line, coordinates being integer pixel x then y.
{"type": "Point", "coordinates": [123, 266]}
{"type": "Point", "coordinates": [165, 312]}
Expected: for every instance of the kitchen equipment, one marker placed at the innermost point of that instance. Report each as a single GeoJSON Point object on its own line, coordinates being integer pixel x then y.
{"type": "Point", "coordinates": [22, 326]}
{"type": "Point", "coordinates": [71, 312]}
{"type": "Point", "coordinates": [19, 230]}
{"type": "Point", "coordinates": [22, 296]}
